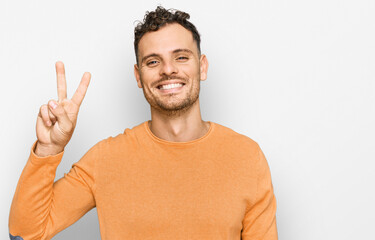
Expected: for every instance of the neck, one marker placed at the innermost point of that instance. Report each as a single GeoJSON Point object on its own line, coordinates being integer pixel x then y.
{"type": "Point", "coordinates": [183, 127]}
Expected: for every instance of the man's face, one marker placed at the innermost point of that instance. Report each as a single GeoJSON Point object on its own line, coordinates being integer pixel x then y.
{"type": "Point", "coordinates": [170, 68]}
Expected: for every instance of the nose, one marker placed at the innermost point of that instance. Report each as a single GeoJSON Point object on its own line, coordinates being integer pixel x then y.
{"type": "Point", "coordinates": [168, 68]}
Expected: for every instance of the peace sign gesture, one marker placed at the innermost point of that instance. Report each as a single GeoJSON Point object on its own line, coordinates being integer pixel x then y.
{"type": "Point", "coordinates": [57, 120]}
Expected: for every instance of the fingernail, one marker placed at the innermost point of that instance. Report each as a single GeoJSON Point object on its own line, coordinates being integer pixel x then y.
{"type": "Point", "coordinates": [49, 123]}
{"type": "Point", "coordinates": [53, 105]}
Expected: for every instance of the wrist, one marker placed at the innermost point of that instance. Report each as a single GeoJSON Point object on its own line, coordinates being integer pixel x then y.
{"type": "Point", "coordinates": [42, 150]}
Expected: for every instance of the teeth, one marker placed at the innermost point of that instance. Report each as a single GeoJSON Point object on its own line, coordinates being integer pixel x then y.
{"type": "Point", "coordinates": [170, 86]}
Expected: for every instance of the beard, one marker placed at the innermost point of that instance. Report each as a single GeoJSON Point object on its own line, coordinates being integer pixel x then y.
{"type": "Point", "coordinates": [173, 104]}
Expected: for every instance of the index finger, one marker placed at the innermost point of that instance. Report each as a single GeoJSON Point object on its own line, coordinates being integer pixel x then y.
{"type": "Point", "coordinates": [82, 88]}
{"type": "Point", "coordinates": [61, 81]}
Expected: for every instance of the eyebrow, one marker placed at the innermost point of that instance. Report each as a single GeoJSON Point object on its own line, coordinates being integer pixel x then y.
{"type": "Point", "coordinates": [183, 50]}
{"type": "Point", "coordinates": [174, 51]}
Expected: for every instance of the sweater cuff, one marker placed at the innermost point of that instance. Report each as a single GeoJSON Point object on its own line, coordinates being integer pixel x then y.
{"type": "Point", "coordinates": [50, 159]}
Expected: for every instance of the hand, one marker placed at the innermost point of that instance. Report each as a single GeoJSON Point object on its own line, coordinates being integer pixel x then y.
{"type": "Point", "coordinates": [57, 120]}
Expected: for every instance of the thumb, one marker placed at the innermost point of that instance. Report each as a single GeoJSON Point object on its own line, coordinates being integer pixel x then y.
{"type": "Point", "coordinates": [62, 118]}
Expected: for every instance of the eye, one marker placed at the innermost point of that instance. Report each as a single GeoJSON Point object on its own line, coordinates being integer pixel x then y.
{"type": "Point", "coordinates": [182, 58]}
{"type": "Point", "coordinates": [151, 63]}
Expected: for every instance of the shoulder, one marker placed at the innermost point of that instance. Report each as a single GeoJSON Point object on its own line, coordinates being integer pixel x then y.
{"type": "Point", "coordinates": [229, 137]}
{"type": "Point", "coordinates": [127, 139]}
{"type": "Point", "coordinates": [229, 134]}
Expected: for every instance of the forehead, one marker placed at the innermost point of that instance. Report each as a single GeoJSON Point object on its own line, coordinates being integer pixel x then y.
{"type": "Point", "coordinates": [168, 38]}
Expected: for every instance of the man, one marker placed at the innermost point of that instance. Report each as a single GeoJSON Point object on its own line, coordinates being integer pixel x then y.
{"type": "Point", "coordinates": [174, 177]}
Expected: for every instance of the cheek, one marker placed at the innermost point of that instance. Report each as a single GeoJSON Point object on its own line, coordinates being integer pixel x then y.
{"type": "Point", "coordinates": [190, 71]}
{"type": "Point", "coordinates": [148, 76]}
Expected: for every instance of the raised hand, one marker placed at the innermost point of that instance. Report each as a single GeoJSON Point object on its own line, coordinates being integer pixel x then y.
{"type": "Point", "coordinates": [57, 120]}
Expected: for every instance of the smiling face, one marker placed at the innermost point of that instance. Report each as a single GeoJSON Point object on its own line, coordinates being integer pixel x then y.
{"type": "Point", "coordinates": [170, 69]}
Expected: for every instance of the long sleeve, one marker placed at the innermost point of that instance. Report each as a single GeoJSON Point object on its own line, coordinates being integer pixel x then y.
{"type": "Point", "coordinates": [41, 207]}
{"type": "Point", "coordinates": [260, 219]}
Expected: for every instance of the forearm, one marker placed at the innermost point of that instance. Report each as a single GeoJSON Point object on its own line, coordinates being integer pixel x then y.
{"type": "Point", "coordinates": [32, 200]}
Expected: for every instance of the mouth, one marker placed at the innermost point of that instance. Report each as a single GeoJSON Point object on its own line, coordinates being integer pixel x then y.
{"type": "Point", "coordinates": [170, 86]}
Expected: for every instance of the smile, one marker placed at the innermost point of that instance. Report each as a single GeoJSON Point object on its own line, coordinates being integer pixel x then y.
{"type": "Point", "coordinates": [170, 86]}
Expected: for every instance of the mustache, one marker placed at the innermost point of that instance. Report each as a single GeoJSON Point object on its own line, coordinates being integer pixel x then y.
{"type": "Point", "coordinates": [168, 77]}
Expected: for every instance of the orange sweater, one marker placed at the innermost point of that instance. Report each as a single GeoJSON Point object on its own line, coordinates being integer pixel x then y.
{"type": "Point", "coordinates": [215, 187]}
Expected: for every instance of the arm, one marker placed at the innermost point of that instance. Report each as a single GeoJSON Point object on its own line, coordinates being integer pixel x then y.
{"type": "Point", "coordinates": [259, 222]}
{"type": "Point", "coordinates": [41, 207]}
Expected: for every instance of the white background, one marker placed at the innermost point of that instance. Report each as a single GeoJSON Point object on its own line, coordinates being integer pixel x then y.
{"type": "Point", "coordinates": [295, 76]}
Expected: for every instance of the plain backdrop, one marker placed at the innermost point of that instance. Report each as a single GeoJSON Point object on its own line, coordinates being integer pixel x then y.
{"type": "Point", "coordinates": [296, 76]}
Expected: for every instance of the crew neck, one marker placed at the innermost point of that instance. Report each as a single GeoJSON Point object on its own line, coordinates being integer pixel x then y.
{"type": "Point", "coordinates": [157, 139]}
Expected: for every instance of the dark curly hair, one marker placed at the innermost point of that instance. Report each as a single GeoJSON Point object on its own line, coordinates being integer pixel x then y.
{"type": "Point", "coordinates": [154, 20]}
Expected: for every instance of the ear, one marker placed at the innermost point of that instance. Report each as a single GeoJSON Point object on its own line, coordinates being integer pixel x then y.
{"type": "Point", "coordinates": [203, 67]}
{"type": "Point", "coordinates": [137, 75]}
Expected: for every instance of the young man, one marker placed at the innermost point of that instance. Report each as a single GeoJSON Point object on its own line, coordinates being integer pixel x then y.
{"type": "Point", "coordinates": [174, 177]}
